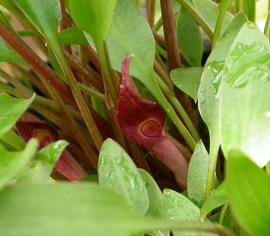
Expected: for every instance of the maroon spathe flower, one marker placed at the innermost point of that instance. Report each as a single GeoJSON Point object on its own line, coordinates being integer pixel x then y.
{"type": "Point", "coordinates": [67, 166]}
{"type": "Point", "coordinates": [144, 122]}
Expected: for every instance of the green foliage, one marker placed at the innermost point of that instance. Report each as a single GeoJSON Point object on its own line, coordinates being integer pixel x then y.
{"type": "Point", "coordinates": [216, 199]}
{"type": "Point", "coordinates": [42, 166]}
{"type": "Point", "coordinates": [197, 174]}
{"type": "Point", "coordinates": [246, 124]}
{"type": "Point", "coordinates": [12, 163]}
{"type": "Point", "coordinates": [9, 55]}
{"type": "Point", "coordinates": [10, 111]}
{"type": "Point", "coordinates": [189, 37]}
{"type": "Point", "coordinates": [117, 171]}
{"type": "Point", "coordinates": [72, 36]}
{"type": "Point", "coordinates": [187, 80]}
{"type": "Point", "coordinates": [248, 189]}
{"type": "Point", "coordinates": [94, 16]}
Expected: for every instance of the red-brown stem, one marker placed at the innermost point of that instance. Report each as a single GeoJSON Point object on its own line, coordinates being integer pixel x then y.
{"type": "Point", "coordinates": [168, 153]}
{"type": "Point", "coordinates": [170, 34]}
{"type": "Point", "coordinates": [150, 7]}
{"type": "Point", "coordinates": [36, 63]}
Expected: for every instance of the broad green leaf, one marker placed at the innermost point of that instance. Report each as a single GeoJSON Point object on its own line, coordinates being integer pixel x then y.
{"type": "Point", "coordinates": [130, 34]}
{"type": "Point", "coordinates": [187, 80]}
{"type": "Point", "coordinates": [211, 77]}
{"type": "Point", "coordinates": [12, 163]}
{"type": "Point", "coordinates": [64, 209]}
{"type": "Point", "coordinates": [248, 189]}
{"type": "Point", "coordinates": [155, 200]}
{"type": "Point", "coordinates": [72, 36]}
{"type": "Point", "coordinates": [42, 166]}
{"type": "Point", "coordinates": [117, 171]}
{"type": "Point", "coordinates": [206, 13]}
{"type": "Point", "coordinates": [178, 207]}
{"type": "Point", "coordinates": [93, 16]}
{"type": "Point", "coordinates": [10, 111]}
{"type": "Point", "coordinates": [189, 38]}
{"type": "Point", "coordinates": [216, 199]}
{"type": "Point", "coordinates": [44, 15]}
{"type": "Point", "coordinates": [154, 193]}
{"type": "Point", "coordinates": [9, 55]}
{"type": "Point", "coordinates": [197, 174]}
{"type": "Point", "coordinates": [244, 96]}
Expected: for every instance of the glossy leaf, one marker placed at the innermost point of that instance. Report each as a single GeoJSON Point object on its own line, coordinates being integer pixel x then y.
{"type": "Point", "coordinates": [155, 200]}
{"type": "Point", "coordinates": [211, 77]}
{"type": "Point", "coordinates": [72, 36]}
{"type": "Point", "coordinates": [44, 15]}
{"type": "Point", "coordinates": [197, 174]}
{"type": "Point", "coordinates": [130, 35]}
{"type": "Point", "coordinates": [64, 209]}
{"type": "Point", "coordinates": [93, 16]}
{"type": "Point", "coordinates": [216, 199]}
{"type": "Point", "coordinates": [154, 193]}
{"type": "Point", "coordinates": [205, 12]}
{"type": "Point", "coordinates": [187, 80]}
{"type": "Point", "coordinates": [12, 163]}
{"type": "Point", "coordinates": [9, 55]}
{"type": "Point", "coordinates": [42, 166]}
{"type": "Point", "coordinates": [10, 111]}
{"type": "Point", "coordinates": [249, 195]}
{"type": "Point", "coordinates": [117, 171]}
{"type": "Point", "coordinates": [178, 207]}
{"type": "Point", "coordinates": [245, 112]}
{"type": "Point", "coordinates": [189, 38]}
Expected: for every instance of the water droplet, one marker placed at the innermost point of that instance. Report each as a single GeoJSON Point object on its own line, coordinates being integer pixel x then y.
{"type": "Point", "coordinates": [216, 68]}
{"type": "Point", "coordinates": [247, 62]}
{"type": "Point", "coordinates": [201, 96]}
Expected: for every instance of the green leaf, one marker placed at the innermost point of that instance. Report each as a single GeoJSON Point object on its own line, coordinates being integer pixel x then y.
{"type": "Point", "coordinates": [42, 166]}
{"type": "Point", "coordinates": [10, 111]}
{"type": "Point", "coordinates": [9, 55]}
{"type": "Point", "coordinates": [72, 36]}
{"type": "Point", "coordinates": [44, 15]}
{"type": "Point", "coordinates": [216, 199]}
{"type": "Point", "coordinates": [12, 163]}
{"type": "Point", "coordinates": [13, 140]}
{"type": "Point", "coordinates": [210, 81]}
{"type": "Point", "coordinates": [64, 209]}
{"type": "Point", "coordinates": [250, 9]}
{"type": "Point", "coordinates": [155, 200]}
{"type": "Point", "coordinates": [187, 80]}
{"type": "Point", "coordinates": [131, 34]}
{"type": "Point", "coordinates": [197, 174]}
{"type": "Point", "coordinates": [248, 190]}
{"type": "Point", "coordinates": [189, 38]}
{"type": "Point", "coordinates": [154, 193]}
{"type": "Point", "coordinates": [244, 96]}
{"type": "Point", "coordinates": [117, 171]}
{"type": "Point", "coordinates": [93, 16]}
{"type": "Point", "coordinates": [178, 207]}
{"type": "Point", "coordinates": [205, 12]}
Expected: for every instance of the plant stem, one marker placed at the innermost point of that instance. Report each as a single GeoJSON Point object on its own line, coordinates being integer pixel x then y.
{"type": "Point", "coordinates": [150, 8]}
{"type": "Point", "coordinates": [83, 107]}
{"type": "Point", "coordinates": [213, 155]}
{"type": "Point", "coordinates": [170, 34]}
{"type": "Point", "coordinates": [91, 91]}
{"type": "Point", "coordinates": [179, 109]}
{"type": "Point", "coordinates": [196, 17]}
{"type": "Point", "coordinates": [267, 24]}
{"type": "Point", "coordinates": [239, 5]}
{"type": "Point", "coordinates": [36, 63]}
{"type": "Point", "coordinates": [222, 11]}
{"type": "Point", "coordinates": [185, 226]}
